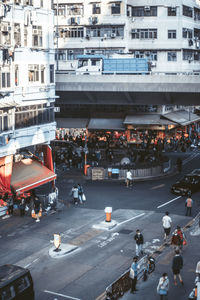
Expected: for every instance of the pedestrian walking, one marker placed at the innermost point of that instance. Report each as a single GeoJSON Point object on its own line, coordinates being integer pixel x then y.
{"type": "Point", "coordinates": [167, 222]}
{"type": "Point", "coordinates": [181, 235]}
{"type": "Point", "coordinates": [10, 205]}
{"type": "Point", "coordinates": [37, 207]}
{"type": "Point", "coordinates": [177, 264]}
{"type": "Point", "coordinates": [133, 274]}
{"type": "Point", "coordinates": [139, 242]}
{"type": "Point", "coordinates": [163, 286]}
{"type": "Point", "coordinates": [80, 193]}
{"type": "Point", "coordinates": [188, 205]}
{"type": "Point", "coordinates": [129, 179]}
{"type": "Point", "coordinates": [75, 194]}
{"type": "Point", "coordinates": [22, 207]}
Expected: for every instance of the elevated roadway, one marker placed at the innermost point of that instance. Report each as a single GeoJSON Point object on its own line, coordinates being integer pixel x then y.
{"type": "Point", "coordinates": [129, 89]}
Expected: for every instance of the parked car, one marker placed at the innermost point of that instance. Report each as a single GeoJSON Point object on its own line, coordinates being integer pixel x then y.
{"type": "Point", "coordinates": [189, 184]}
{"type": "Point", "coordinates": [15, 283]}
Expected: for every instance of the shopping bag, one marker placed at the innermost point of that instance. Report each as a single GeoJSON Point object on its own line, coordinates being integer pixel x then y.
{"type": "Point", "coordinates": [33, 213]}
{"type": "Point", "coordinates": [83, 197]}
{"type": "Point", "coordinates": [132, 273]}
{"type": "Point", "coordinates": [184, 242]}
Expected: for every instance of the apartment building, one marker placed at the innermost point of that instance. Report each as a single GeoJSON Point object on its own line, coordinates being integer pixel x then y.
{"type": "Point", "coordinates": [27, 80]}
{"type": "Point", "coordinates": [167, 33]}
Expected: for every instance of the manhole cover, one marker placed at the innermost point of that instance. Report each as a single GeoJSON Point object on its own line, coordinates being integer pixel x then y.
{"type": "Point", "coordinates": [125, 231]}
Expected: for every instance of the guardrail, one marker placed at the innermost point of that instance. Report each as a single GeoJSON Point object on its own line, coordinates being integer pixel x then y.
{"type": "Point", "coordinates": [119, 287]}
{"type": "Point", "coordinates": [145, 74]}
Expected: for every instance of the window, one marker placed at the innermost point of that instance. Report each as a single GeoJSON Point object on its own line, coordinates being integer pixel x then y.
{"type": "Point", "coordinates": [76, 32]}
{"type": "Point", "coordinates": [197, 33]}
{"type": "Point", "coordinates": [196, 14]}
{"type": "Point", "coordinates": [105, 32]}
{"type": "Point", "coordinates": [72, 53]}
{"type": "Point", "coordinates": [16, 75]}
{"type": "Point", "coordinates": [25, 36]}
{"type": "Point", "coordinates": [151, 55]}
{"type": "Point", "coordinates": [42, 71]}
{"type": "Point", "coordinates": [26, 116]}
{"type": "Point", "coordinates": [73, 10]}
{"type": "Point", "coordinates": [187, 33]}
{"type": "Point", "coordinates": [5, 80]}
{"type": "Point", "coordinates": [115, 8]}
{"type": "Point", "coordinates": [171, 11]}
{"type": "Point", "coordinates": [187, 11]}
{"type": "Point", "coordinates": [61, 10]}
{"type": "Point", "coordinates": [33, 73]}
{"type": "Point", "coordinates": [171, 34]}
{"type": "Point", "coordinates": [144, 11]}
{"type": "Point", "coordinates": [144, 33]}
{"type": "Point", "coordinates": [172, 56]}
{"type": "Point", "coordinates": [37, 36]}
{"type": "Point", "coordinates": [17, 34]}
{"type": "Point", "coordinates": [96, 9]}
{"type": "Point", "coordinates": [51, 73]}
{"type": "Point", "coordinates": [61, 55]}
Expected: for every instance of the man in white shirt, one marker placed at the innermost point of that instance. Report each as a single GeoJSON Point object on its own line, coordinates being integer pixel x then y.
{"type": "Point", "coordinates": [129, 178]}
{"type": "Point", "coordinates": [167, 222]}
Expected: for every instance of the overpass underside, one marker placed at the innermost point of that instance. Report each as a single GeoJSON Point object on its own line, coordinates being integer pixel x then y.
{"type": "Point", "coordinates": [127, 98]}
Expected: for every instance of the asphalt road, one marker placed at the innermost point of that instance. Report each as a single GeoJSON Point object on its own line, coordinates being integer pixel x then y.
{"type": "Point", "coordinates": [101, 255]}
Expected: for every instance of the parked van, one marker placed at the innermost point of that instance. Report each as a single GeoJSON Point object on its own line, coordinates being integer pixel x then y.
{"type": "Point", "coordinates": [15, 283]}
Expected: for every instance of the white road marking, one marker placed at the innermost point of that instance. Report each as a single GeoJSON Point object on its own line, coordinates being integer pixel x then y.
{"type": "Point", "coordinates": [158, 186]}
{"type": "Point", "coordinates": [31, 263]}
{"type": "Point", "coordinates": [61, 295]}
{"type": "Point", "coordinates": [169, 202]}
{"type": "Point", "coordinates": [131, 219]}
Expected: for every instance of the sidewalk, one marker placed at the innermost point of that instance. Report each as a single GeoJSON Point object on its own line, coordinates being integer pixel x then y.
{"type": "Point", "coordinates": [190, 254]}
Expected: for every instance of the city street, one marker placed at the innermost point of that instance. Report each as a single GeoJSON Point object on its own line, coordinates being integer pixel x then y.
{"type": "Point", "coordinates": [98, 256]}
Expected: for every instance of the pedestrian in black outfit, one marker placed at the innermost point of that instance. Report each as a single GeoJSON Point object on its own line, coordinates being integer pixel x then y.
{"type": "Point", "coordinates": [22, 207]}
{"type": "Point", "coordinates": [139, 242]}
{"type": "Point", "coordinates": [177, 265]}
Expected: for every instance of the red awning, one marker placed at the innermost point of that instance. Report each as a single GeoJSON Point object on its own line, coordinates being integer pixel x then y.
{"type": "Point", "coordinates": [28, 174]}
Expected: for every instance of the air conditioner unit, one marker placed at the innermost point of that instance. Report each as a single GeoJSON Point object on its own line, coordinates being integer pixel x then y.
{"type": "Point", "coordinates": [88, 52]}
{"type": "Point", "coordinates": [153, 64]}
{"type": "Point", "coordinates": [113, 35]}
{"type": "Point", "coordinates": [195, 38]}
{"type": "Point", "coordinates": [98, 5]}
{"type": "Point", "coordinates": [197, 45]}
{"type": "Point", "coordinates": [147, 8]}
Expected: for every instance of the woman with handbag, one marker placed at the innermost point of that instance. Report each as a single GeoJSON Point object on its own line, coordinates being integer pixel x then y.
{"type": "Point", "coordinates": [163, 286]}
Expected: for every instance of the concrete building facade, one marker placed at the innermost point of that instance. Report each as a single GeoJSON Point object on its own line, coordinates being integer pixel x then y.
{"type": "Point", "coordinates": [167, 33]}
{"type": "Point", "coordinates": [27, 79]}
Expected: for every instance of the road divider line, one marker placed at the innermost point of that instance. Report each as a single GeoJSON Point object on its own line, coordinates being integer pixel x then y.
{"type": "Point", "coordinates": [61, 295]}
{"type": "Point", "coordinates": [131, 219]}
{"type": "Point", "coordinates": [158, 186]}
{"type": "Point", "coordinates": [169, 202]}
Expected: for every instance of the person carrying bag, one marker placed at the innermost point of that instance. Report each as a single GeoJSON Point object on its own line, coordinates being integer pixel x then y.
{"type": "Point", "coordinates": [163, 286]}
